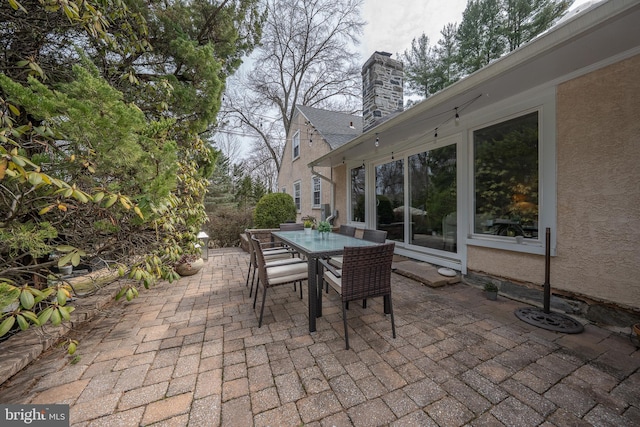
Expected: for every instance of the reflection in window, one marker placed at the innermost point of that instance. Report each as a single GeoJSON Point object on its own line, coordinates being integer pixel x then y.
{"type": "Point", "coordinates": [432, 199]}
{"type": "Point", "coordinates": [295, 145]}
{"type": "Point", "coordinates": [506, 178]}
{"type": "Point", "coordinates": [315, 184]}
{"type": "Point", "coordinates": [390, 198]}
{"type": "Point", "coordinates": [296, 194]}
{"type": "Point", "coordinates": [357, 194]}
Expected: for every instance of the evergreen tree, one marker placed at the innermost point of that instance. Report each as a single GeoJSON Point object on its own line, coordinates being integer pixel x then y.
{"type": "Point", "coordinates": [489, 29]}
{"type": "Point", "coordinates": [479, 35]}
{"type": "Point", "coordinates": [419, 66]}
{"type": "Point", "coordinates": [446, 68]}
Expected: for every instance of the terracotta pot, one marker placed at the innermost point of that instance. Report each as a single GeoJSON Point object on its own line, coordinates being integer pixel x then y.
{"type": "Point", "coordinates": [189, 268]}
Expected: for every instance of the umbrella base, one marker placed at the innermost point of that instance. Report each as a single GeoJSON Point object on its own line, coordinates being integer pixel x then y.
{"type": "Point", "coordinates": [551, 321]}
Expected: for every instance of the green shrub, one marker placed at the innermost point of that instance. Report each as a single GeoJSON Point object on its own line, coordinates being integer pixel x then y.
{"type": "Point", "coordinates": [273, 209]}
{"type": "Point", "coordinates": [226, 224]}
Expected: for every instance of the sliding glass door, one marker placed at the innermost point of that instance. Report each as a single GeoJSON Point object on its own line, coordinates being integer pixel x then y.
{"type": "Point", "coordinates": [432, 198]}
{"type": "Point", "coordinates": [390, 199]}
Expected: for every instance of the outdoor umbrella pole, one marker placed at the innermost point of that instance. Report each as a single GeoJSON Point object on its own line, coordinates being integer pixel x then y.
{"type": "Point", "coordinates": [545, 318]}
{"type": "Point", "coordinates": [547, 267]}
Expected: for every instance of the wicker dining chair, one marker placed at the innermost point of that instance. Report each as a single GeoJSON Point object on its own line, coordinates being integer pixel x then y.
{"type": "Point", "coordinates": [377, 236]}
{"type": "Point", "coordinates": [365, 273]}
{"type": "Point", "coordinates": [291, 226]}
{"type": "Point", "coordinates": [293, 271]}
{"type": "Point", "coordinates": [347, 230]}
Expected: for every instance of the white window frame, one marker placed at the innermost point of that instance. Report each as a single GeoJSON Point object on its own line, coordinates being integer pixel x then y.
{"type": "Point", "coordinates": [350, 166]}
{"type": "Point", "coordinates": [542, 101]}
{"type": "Point", "coordinates": [297, 195]}
{"type": "Point", "coordinates": [295, 144]}
{"type": "Point", "coordinates": [316, 189]}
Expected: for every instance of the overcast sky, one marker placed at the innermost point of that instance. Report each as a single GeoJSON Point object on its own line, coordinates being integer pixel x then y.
{"type": "Point", "coordinates": [392, 25]}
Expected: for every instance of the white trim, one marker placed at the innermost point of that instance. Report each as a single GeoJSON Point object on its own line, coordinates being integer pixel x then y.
{"type": "Point", "coordinates": [295, 138]}
{"type": "Point", "coordinates": [297, 184]}
{"type": "Point", "coordinates": [543, 101]}
{"type": "Point", "coordinates": [313, 192]}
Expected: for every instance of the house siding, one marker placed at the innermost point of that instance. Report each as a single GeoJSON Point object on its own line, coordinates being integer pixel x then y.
{"type": "Point", "coordinates": [598, 193]}
{"type": "Point", "coordinates": [297, 170]}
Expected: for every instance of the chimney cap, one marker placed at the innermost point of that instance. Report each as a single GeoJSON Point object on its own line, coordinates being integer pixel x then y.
{"type": "Point", "coordinates": [387, 54]}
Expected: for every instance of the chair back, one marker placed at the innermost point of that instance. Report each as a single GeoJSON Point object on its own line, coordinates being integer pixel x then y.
{"type": "Point", "coordinates": [252, 251]}
{"type": "Point", "coordinates": [259, 260]}
{"type": "Point", "coordinates": [366, 271]}
{"type": "Point", "coordinates": [347, 230]}
{"type": "Point", "coordinates": [291, 226]}
{"type": "Point", "coordinates": [377, 236]}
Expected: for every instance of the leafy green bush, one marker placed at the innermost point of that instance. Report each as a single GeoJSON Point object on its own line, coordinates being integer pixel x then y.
{"type": "Point", "coordinates": [273, 209]}
{"type": "Point", "coordinates": [225, 225]}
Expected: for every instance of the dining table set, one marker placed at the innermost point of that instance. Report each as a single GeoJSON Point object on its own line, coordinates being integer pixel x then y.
{"type": "Point", "coordinates": [357, 268]}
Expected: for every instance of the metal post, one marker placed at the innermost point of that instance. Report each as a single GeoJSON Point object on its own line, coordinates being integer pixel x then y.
{"type": "Point", "coordinates": [547, 268]}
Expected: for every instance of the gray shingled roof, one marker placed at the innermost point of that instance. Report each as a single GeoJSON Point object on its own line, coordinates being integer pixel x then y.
{"type": "Point", "coordinates": [333, 127]}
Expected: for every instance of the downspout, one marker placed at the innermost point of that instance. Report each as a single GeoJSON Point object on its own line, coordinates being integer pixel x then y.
{"type": "Point", "coordinates": [333, 195]}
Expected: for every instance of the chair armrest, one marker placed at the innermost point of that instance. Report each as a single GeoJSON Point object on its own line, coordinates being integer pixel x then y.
{"type": "Point", "coordinates": [330, 267]}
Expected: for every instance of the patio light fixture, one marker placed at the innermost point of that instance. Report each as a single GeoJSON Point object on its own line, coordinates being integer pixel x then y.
{"type": "Point", "coordinates": [203, 239]}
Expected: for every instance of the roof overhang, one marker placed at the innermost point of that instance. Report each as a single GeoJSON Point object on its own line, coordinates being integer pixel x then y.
{"type": "Point", "coordinates": [576, 46]}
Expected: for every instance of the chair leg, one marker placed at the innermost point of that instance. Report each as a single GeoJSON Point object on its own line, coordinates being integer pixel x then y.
{"type": "Point", "coordinates": [255, 296]}
{"type": "Point", "coordinates": [344, 320]}
{"type": "Point", "coordinates": [393, 323]}
{"type": "Point", "coordinates": [364, 303]}
{"type": "Point", "coordinates": [264, 298]}
{"type": "Point", "coordinates": [300, 289]}
{"type": "Point", "coordinates": [249, 274]}
{"type": "Point", "coordinates": [253, 278]}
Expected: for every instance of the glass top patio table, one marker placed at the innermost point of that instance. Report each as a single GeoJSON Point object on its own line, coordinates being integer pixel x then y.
{"type": "Point", "coordinates": [314, 247]}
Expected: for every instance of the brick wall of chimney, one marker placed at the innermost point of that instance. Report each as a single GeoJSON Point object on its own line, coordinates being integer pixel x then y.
{"type": "Point", "coordinates": [382, 93]}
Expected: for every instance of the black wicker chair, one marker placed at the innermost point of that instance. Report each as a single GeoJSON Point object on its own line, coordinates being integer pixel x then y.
{"type": "Point", "coordinates": [366, 273]}
{"type": "Point", "coordinates": [347, 230]}
{"type": "Point", "coordinates": [378, 236]}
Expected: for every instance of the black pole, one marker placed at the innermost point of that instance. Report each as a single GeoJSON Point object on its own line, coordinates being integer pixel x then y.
{"type": "Point", "coordinates": [547, 267]}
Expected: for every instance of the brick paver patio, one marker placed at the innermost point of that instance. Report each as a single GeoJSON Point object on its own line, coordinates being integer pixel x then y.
{"type": "Point", "coordinates": [190, 354]}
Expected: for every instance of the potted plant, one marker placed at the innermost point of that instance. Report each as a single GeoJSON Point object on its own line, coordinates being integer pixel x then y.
{"type": "Point", "coordinates": [324, 227]}
{"type": "Point", "coordinates": [308, 225]}
{"type": "Point", "coordinates": [491, 291]}
{"type": "Point", "coordinates": [188, 265]}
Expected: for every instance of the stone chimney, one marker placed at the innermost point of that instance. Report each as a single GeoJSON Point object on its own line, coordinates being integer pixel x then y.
{"type": "Point", "coordinates": [382, 93]}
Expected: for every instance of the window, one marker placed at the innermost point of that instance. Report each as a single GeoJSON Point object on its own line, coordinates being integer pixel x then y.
{"type": "Point", "coordinates": [390, 198]}
{"type": "Point", "coordinates": [432, 198]}
{"type": "Point", "coordinates": [505, 157]}
{"type": "Point", "coordinates": [315, 189]}
{"type": "Point", "coordinates": [283, 190]}
{"type": "Point", "coordinates": [296, 194]}
{"type": "Point", "coordinates": [357, 194]}
{"type": "Point", "coordinates": [295, 145]}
